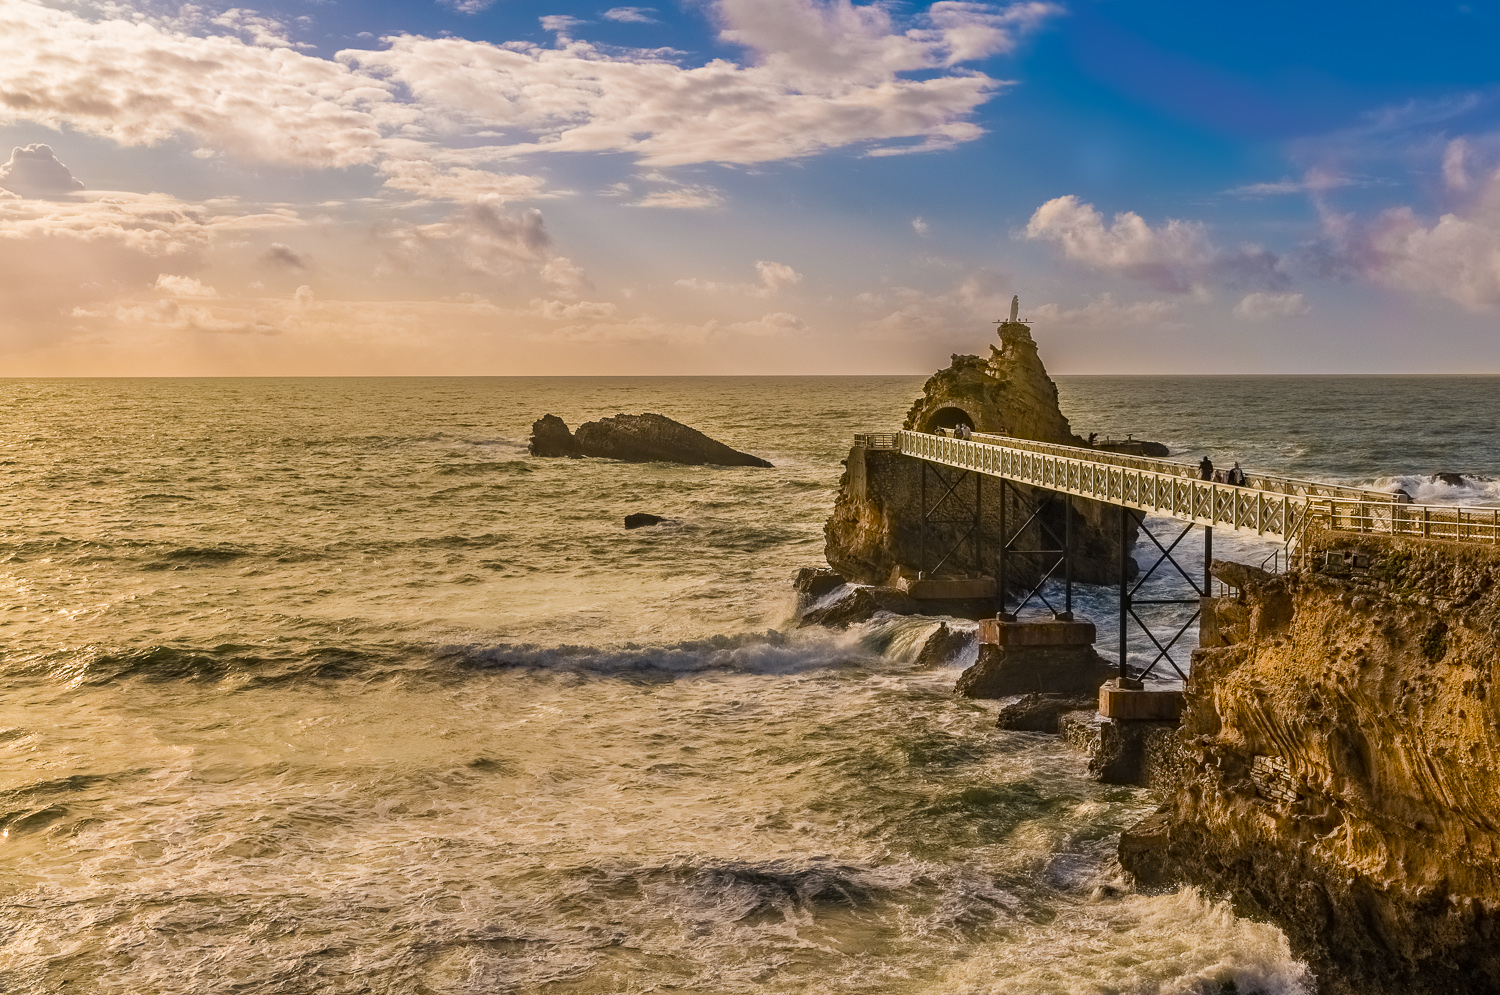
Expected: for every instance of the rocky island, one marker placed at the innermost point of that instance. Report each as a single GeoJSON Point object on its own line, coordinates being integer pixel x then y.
{"type": "Point", "coordinates": [645, 438]}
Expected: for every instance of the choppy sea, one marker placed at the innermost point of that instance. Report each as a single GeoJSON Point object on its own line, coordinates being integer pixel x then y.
{"type": "Point", "coordinates": [327, 686]}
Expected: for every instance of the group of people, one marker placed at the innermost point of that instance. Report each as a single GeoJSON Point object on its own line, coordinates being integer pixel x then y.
{"type": "Point", "coordinates": [1234, 475]}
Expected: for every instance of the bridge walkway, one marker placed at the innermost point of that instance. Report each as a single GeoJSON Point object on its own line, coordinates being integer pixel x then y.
{"type": "Point", "coordinates": [1275, 507]}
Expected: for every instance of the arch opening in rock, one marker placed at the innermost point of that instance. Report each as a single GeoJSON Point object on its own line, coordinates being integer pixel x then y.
{"type": "Point", "coordinates": [947, 418]}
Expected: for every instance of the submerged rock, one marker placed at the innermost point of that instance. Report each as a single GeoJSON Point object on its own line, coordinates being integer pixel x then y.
{"type": "Point", "coordinates": [859, 605]}
{"type": "Point", "coordinates": [1451, 479]}
{"type": "Point", "coordinates": [644, 438]}
{"type": "Point", "coordinates": [641, 519]}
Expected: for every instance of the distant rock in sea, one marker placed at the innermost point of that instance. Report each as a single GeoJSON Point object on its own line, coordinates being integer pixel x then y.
{"type": "Point", "coordinates": [641, 519]}
{"type": "Point", "coordinates": [1451, 479]}
{"type": "Point", "coordinates": [644, 438]}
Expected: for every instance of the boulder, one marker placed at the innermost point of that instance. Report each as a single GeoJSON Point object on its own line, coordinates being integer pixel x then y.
{"type": "Point", "coordinates": [813, 584]}
{"type": "Point", "coordinates": [1041, 712]}
{"type": "Point", "coordinates": [858, 605]}
{"type": "Point", "coordinates": [652, 438]}
{"type": "Point", "coordinates": [550, 437]}
{"type": "Point", "coordinates": [943, 645]}
{"type": "Point", "coordinates": [641, 519]}
{"type": "Point", "coordinates": [1239, 576]}
{"type": "Point", "coordinates": [1451, 479]}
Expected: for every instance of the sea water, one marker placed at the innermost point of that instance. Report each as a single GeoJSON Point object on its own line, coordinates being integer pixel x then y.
{"type": "Point", "coordinates": [328, 686]}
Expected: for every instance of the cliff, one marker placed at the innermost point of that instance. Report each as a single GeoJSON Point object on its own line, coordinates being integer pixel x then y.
{"type": "Point", "coordinates": [1342, 765]}
{"type": "Point", "coordinates": [876, 527]}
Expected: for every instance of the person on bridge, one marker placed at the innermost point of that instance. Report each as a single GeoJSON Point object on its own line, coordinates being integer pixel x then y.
{"type": "Point", "coordinates": [1236, 475]}
{"type": "Point", "coordinates": [1206, 469]}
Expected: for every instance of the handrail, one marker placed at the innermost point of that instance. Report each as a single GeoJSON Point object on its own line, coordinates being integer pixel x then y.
{"type": "Point", "coordinates": [1268, 505]}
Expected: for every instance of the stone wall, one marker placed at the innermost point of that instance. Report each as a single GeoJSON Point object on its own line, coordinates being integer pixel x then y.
{"type": "Point", "coordinates": [1342, 770]}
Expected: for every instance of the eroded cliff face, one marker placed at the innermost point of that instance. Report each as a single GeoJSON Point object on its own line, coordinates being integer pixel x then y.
{"type": "Point", "coordinates": [1344, 764]}
{"type": "Point", "coordinates": [876, 525]}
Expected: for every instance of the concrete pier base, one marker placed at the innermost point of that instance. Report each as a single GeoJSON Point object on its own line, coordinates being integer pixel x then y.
{"type": "Point", "coordinates": [1034, 657]}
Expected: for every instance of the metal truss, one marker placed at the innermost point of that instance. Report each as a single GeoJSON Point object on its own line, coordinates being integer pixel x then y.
{"type": "Point", "coordinates": [952, 521]}
{"type": "Point", "coordinates": [1129, 601]}
{"type": "Point", "coordinates": [1060, 552]}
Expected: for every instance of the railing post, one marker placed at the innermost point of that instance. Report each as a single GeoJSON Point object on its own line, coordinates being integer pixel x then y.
{"type": "Point", "coordinates": [1068, 555]}
{"type": "Point", "coordinates": [1124, 591]}
{"type": "Point", "coordinates": [1208, 559]}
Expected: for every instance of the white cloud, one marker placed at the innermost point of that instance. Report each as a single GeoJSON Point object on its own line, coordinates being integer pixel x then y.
{"type": "Point", "coordinates": [686, 198]}
{"type": "Point", "coordinates": [1103, 313]}
{"type": "Point", "coordinates": [576, 311]}
{"type": "Point", "coordinates": [1176, 256]}
{"type": "Point", "coordinates": [139, 83]}
{"type": "Point", "coordinates": [773, 277]}
{"type": "Point", "coordinates": [466, 6]}
{"type": "Point", "coordinates": [563, 24]}
{"type": "Point", "coordinates": [1262, 306]}
{"type": "Point", "coordinates": [631, 15]}
{"type": "Point", "coordinates": [459, 183]}
{"type": "Point", "coordinates": [826, 75]}
{"type": "Point", "coordinates": [920, 226]}
{"type": "Point", "coordinates": [183, 286]}
{"type": "Point", "coordinates": [34, 171]}
{"type": "Point", "coordinates": [1455, 165]}
{"type": "Point", "coordinates": [482, 240]}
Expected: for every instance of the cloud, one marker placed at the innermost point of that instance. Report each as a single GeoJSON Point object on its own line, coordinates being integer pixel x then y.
{"type": "Point", "coordinates": [34, 171]}
{"type": "Point", "coordinates": [482, 241]}
{"type": "Point", "coordinates": [576, 311]}
{"type": "Point", "coordinates": [823, 75]}
{"type": "Point", "coordinates": [1104, 313]}
{"type": "Point", "coordinates": [687, 198]}
{"type": "Point", "coordinates": [1176, 257]}
{"type": "Point", "coordinates": [920, 226]}
{"type": "Point", "coordinates": [468, 6]}
{"type": "Point", "coordinates": [183, 286]}
{"type": "Point", "coordinates": [563, 24]}
{"type": "Point", "coordinates": [283, 256]}
{"type": "Point", "coordinates": [1261, 306]}
{"type": "Point", "coordinates": [631, 15]}
{"type": "Point", "coordinates": [459, 183]}
{"type": "Point", "coordinates": [773, 277]}
{"type": "Point", "coordinates": [1315, 181]}
{"type": "Point", "coordinates": [138, 83]}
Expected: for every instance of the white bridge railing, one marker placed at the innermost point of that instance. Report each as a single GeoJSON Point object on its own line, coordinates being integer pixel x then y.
{"type": "Point", "coordinates": [1267, 505]}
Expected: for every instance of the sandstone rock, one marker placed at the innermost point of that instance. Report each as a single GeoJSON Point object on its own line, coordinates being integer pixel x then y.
{"type": "Point", "coordinates": [550, 437]}
{"type": "Point", "coordinates": [641, 519]}
{"type": "Point", "coordinates": [876, 527]}
{"type": "Point", "coordinates": [943, 645]}
{"type": "Point", "coordinates": [652, 438]}
{"type": "Point", "coordinates": [1041, 712]}
{"type": "Point", "coordinates": [1239, 575]}
{"type": "Point", "coordinates": [812, 584]}
{"type": "Point", "coordinates": [1340, 770]}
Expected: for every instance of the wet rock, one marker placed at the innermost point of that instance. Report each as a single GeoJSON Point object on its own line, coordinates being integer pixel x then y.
{"type": "Point", "coordinates": [550, 437]}
{"type": "Point", "coordinates": [641, 519]}
{"type": "Point", "coordinates": [856, 606]}
{"type": "Point", "coordinates": [943, 645]}
{"type": "Point", "coordinates": [1451, 479]}
{"type": "Point", "coordinates": [652, 438]}
{"type": "Point", "coordinates": [1042, 712]}
{"type": "Point", "coordinates": [1144, 851]}
{"type": "Point", "coordinates": [813, 584]}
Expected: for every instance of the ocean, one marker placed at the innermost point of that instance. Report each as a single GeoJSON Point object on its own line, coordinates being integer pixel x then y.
{"type": "Point", "coordinates": [325, 685]}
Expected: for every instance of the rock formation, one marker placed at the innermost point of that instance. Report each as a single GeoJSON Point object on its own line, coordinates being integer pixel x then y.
{"type": "Point", "coordinates": [876, 528]}
{"type": "Point", "coordinates": [1341, 764]}
{"type": "Point", "coordinates": [641, 519]}
{"type": "Point", "coordinates": [646, 438]}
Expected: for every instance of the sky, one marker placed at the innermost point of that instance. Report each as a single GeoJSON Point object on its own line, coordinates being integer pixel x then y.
{"type": "Point", "coordinates": [518, 187]}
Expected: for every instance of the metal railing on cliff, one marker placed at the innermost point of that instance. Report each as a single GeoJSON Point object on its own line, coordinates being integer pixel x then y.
{"type": "Point", "coordinates": [1268, 505]}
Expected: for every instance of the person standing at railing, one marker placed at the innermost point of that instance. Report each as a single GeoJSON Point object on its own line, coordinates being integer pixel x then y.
{"type": "Point", "coordinates": [1236, 475]}
{"type": "Point", "coordinates": [1206, 469]}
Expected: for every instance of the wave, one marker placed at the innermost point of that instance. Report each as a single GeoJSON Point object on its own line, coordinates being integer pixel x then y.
{"type": "Point", "coordinates": [476, 469]}
{"type": "Point", "coordinates": [771, 652]}
{"type": "Point", "coordinates": [1468, 488]}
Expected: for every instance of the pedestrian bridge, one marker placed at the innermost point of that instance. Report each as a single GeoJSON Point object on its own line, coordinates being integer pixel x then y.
{"type": "Point", "coordinates": [1277, 508]}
